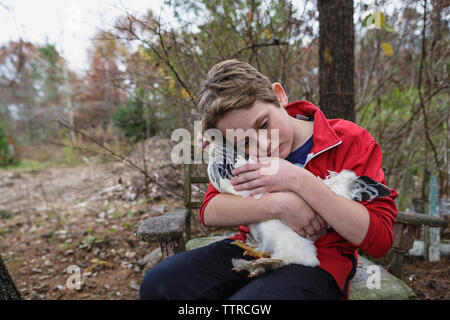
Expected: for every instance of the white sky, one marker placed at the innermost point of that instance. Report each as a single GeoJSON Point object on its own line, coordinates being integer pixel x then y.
{"type": "Point", "coordinates": [69, 24]}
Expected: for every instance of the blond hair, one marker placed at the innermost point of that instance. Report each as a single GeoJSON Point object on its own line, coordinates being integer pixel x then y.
{"type": "Point", "coordinates": [232, 85]}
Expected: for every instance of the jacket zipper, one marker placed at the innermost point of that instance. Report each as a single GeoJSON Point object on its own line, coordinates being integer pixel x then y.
{"type": "Point", "coordinates": [310, 156]}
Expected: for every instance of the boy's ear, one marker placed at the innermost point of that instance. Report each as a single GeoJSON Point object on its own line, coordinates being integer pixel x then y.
{"type": "Point", "coordinates": [280, 94]}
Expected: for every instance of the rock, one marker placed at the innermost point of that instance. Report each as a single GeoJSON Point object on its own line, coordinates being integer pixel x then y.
{"type": "Point", "coordinates": [150, 259]}
{"type": "Point", "coordinates": [204, 241]}
{"type": "Point", "coordinates": [87, 274]}
{"type": "Point", "coordinates": [47, 263]}
{"type": "Point", "coordinates": [390, 288]}
{"type": "Point", "coordinates": [134, 286]}
{"type": "Point", "coordinates": [126, 265]}
{"type": "Point", "coordinates": [43, 287]}
{"type": "Point", "coordinates": [46, 235]}
{"type": "Point", "coordinates": [130, 254]}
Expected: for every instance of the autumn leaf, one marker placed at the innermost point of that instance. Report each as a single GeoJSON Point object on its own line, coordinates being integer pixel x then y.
{"type": "Point", "coordinates": [250, 16]}
{"type": "Point", "coordinates": [185, 94]}
{"type": "Point", "coordinates": [267, 33]}
{"type": "Point", "coordinates": [387, 49]}
{"type": "Point", "coordinates": [96, 262]}
{"type": "Point", "coordinates": [171, 84]}
{"type": "Point", "coordinates": [123, 51]}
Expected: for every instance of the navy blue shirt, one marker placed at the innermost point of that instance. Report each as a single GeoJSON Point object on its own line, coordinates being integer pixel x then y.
{"type": "Point", "coordinates": [298, 157]}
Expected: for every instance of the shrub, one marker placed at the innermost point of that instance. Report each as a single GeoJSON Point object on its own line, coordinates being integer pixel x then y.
{"type": "Point", "coordinates": [6, 150]}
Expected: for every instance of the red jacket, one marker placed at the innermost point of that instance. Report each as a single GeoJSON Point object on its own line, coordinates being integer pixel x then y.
{"type": "Point", "coordinates": [338, 145]}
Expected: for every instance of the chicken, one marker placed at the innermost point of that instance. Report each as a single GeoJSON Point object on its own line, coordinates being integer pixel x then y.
{"type": "Point", "coordinates": [272, 242]}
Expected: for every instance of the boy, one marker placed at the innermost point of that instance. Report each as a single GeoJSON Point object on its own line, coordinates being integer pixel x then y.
{"type": "Point", "coordinates": [237, 96]}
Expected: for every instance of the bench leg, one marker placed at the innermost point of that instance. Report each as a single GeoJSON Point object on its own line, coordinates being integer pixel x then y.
{"type": "Point", "coordinates": [171, 248]}
{"type": "Point", "coordinates": [404, 235]}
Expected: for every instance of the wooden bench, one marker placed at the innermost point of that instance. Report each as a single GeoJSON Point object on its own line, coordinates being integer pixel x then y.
{"type": "Point", "coordinates": [172, 231]}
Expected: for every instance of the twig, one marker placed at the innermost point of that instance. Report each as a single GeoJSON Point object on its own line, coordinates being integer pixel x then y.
{"type": "Point", "coordinates": [419, 85]}
{"type": "Point", "coordinates": [275, 42]}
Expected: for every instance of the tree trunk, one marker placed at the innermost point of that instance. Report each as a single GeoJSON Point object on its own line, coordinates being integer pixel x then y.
{"type": "Point", "coordinates": [8, 290]}
{"type": "Point", "coordinates": [336, 59]}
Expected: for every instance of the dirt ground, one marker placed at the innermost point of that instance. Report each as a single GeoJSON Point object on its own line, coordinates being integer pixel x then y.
{"type": "Point", "coordinates": [429, 280]}
{"type": "Point", "coordinates": [58, 224]}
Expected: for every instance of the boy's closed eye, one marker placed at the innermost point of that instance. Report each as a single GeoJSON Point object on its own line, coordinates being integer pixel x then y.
{"type": "Point", "coordinates": [264, 125]}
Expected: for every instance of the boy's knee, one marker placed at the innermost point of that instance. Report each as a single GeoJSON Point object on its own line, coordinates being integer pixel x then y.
{"type": "Point", "coordinates": [156, 285]}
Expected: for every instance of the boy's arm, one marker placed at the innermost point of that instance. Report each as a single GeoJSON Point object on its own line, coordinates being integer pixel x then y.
{"type": "Point", "coordinates": [347, 217]}
{"type": "Point", "coordinates": [368, 225]}
{"type": "Point", "coordinates": [227, 210]}
{"type": "Point", "coordinates": [220, 210]}
{"type": "Point", "coordinates": [230, 210]}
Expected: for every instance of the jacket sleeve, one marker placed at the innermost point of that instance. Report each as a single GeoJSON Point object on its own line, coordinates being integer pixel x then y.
{"type": "Point", "coordinates": [382, 211]}
{"type": "Point", "coordinates": [210, 193]}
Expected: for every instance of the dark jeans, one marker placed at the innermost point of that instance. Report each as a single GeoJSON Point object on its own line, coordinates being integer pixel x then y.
{"type": "Point", "coordinates": [206, 273]}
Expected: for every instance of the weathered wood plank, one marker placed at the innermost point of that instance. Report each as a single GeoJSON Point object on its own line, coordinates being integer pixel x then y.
{"type": "Point", "coordinates": [199, 179]}
{"type": "Point", "coordinates": [165, 228]}
{"type": "Point", "coordinates": [195, 204]}
{"type": "Point", "coordinates": [419, 219]}
{"type": "Point", "coordinates": [187, 185]}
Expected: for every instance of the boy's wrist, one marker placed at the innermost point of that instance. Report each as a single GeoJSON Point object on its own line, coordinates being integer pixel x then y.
{"type": "Point", "coordinates": [274, 204]}
{"type": "Point", "coordinates": [294, 182]}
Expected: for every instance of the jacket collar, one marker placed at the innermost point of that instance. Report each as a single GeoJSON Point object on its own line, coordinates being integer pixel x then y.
{"type": "Point", "coordinates": [324, 137]}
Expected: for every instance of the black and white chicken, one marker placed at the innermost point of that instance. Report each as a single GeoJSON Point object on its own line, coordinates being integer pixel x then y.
{"type": "Point", "coordinates": [272, 241]}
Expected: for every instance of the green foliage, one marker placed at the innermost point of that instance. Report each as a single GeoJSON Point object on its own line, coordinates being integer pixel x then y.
{"type": "Point", "coordinates": [27, 165]}
{"type": "Point", "coordinates": [6, 150]}
{"type": "Point", "coordinates": [396, 122]}
{"type": "Point", "coordinates": [130, 120]}
{"type": "Point", "coordinates": [72, 153]}
{"type": "Point", "coordinates": [138, 119]}
{"type": "Point", "coordinates": [48, 73]}
{"type": "Point", "coordinates": [4, 231]}
{"type": "Point", "coordinates": [5, 214]}
{"type": "Point", "coordinates": [88, 241]}
{"type": "Point", "coordinates": [393, 107]}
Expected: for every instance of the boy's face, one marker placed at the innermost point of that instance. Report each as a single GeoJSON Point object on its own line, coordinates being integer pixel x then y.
{"type": "Point", "coordinates": [262, 115]}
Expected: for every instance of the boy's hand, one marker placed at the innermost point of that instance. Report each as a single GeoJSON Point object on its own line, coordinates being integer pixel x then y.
{"type": "Point", "coordinates": [298, 215]}
{"type": "Point", "coordinates": [267, 175]}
